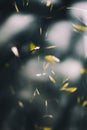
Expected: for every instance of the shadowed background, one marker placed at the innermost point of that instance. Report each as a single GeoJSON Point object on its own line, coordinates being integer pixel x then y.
{"type": "Point", "coordinates": [43, 65]}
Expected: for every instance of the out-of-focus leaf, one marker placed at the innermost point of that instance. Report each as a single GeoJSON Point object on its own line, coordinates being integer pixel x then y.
{"type": "Point", "coordinates": [52, 59]}
{"type": "Point", "coordinates": [50, 47]}
{"type": "Point", "coordinates": [78, 99]}
{"type": "Point", "coordinates": [80, 27]}
{"type": "Point", "coordinates": [47, 128]}
{"type": "Point", "coordinates": [83, 70]}
{"type": "Point", "coordinates": [65, 79]}
{"type": "Point", "coordinates": [16, 7]}
{"type": "Point", "coordinates": [64, 86]}
{"type": "Point", "coordinates": [12, 90]}
{"type": "Point", "coordinates": [84, 103]}
{"type": "Point", "coordinates": [71, 90]}
{"type": "Point", "coordinates": [40, 30]}
{"type": "Point", "coordinates": [46, 103]}
{"type": "Point", "coordinates": [48, 3]}
{"type": "Point", "coordinates": [49, 116]}
{"type": "Point", "coordinates": [52, 79]}
{"type": "Point", "coordinates": [45, 66]}
{"type": "Point", "coordinates": [42, 128]}
{"type": "Point", "coordinates": [20, 104]}
{"type": "Point", "coordinates": [15, 51]}
{"type": "Point", "coordinates": [7, 65]}
{"type": "Point", "coordinates": [36, 92]}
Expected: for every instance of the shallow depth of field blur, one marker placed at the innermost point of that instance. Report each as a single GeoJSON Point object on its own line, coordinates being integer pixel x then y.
{"type": "Point", "coordinates": [43, 64]}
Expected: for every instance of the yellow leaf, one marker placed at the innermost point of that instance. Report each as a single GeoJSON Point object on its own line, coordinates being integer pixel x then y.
{"type": "Point", "coordinates": [32, 46]}
{"type": "Point", "coordinates": [80, 27]}
{"type": "Point", "coordinates": [42, 128]}
{"type": "Point", "coordinates": [84, 103]}
{"type": "Point", "coordinates": [65, 86]}
{"type": "Point", "coordinates": [83, 71]}
{"type": "Point", "coordinates": [16, 7]}
{"type": "Point", "coordinates": [47, 128]}
{"type": "Point", "coordinates": [52, 79]}
{"type": "Point", "coordinates": [71, 90]}
{"type": "Point", "coordinates": [51, 58]}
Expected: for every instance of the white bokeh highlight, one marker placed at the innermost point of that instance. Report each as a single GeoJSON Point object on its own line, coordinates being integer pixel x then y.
{"type": "Point", "coordinates": [70, 68]}
{"type": "Point", "coordinates": [79, 11]}
{"type": "Point", "coordinates": [59, 34]}
{"type": "Point", "coordinates": [14, 25]}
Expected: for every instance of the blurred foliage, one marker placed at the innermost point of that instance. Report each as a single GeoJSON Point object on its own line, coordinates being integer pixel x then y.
{"type": "Point", "coordinates": [48, 102]}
